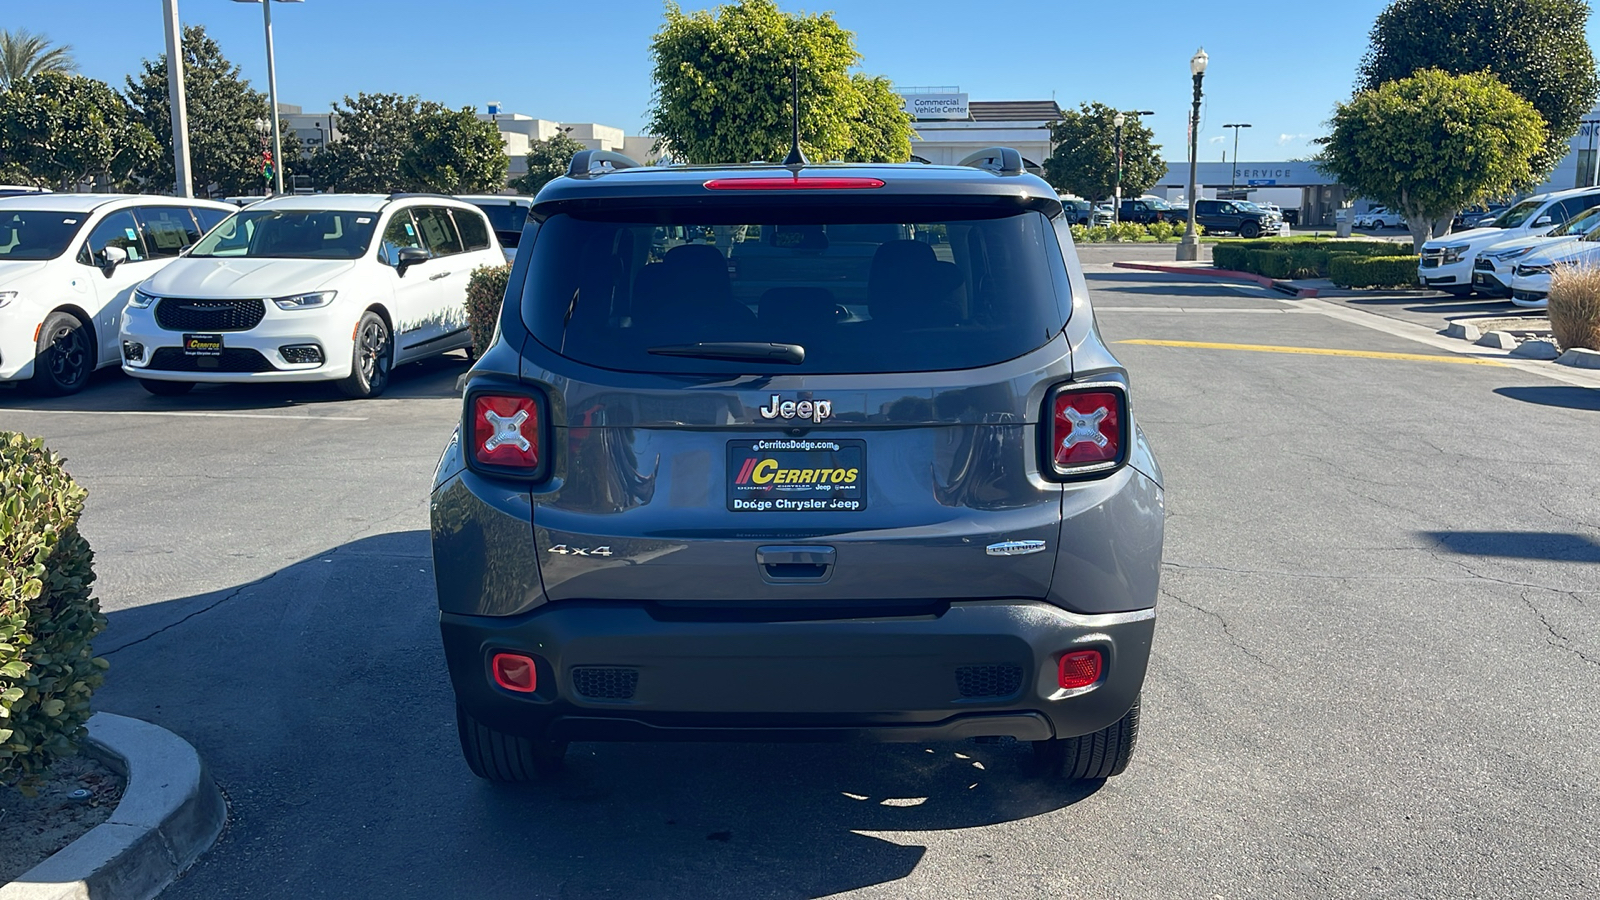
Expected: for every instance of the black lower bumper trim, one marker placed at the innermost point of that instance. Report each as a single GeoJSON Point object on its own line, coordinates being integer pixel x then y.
{"type": "Point", "coordinates": [1028, 726]}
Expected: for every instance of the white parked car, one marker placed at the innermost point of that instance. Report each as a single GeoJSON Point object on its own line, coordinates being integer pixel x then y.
{"type": "Point", "coordinates": [326, 287]}
{"type": "Point", "coordinates": [1492, 270]}
{"type": "Point", "coordinates": [1448, 262]}
{"type": "Point", "coordinates": [1364, 220]}
{"type": "Point", "coordinates": [1382, 218]}
{"type": "Point", "coordinates": [68, 264]}
{"type": "Point", "coordinates": [1530, 282]}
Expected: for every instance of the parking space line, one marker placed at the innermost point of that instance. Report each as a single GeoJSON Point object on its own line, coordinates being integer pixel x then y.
{"type": "Point", "coordinates": [1322, 351]}
{"type": "Point", "coordinates": [197, 415]}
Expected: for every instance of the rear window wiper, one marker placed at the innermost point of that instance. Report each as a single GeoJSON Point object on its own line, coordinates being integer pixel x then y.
{"type": "Point", "coordinates": [740, 351]}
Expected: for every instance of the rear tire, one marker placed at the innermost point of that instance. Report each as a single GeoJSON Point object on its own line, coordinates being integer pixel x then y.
{"type": "Point", "coordinates": [497, 756]}
{"type": "Point", "coordinates": [372, 356]}
{"type": "Point", "coordinates": [65, 356]}
{"type": "Point", "coordinates": [166, 388]}
{"type": "Point", "coordinates": [1102, 754]}
{"type": "Point", "coordinates": [1250, 230]}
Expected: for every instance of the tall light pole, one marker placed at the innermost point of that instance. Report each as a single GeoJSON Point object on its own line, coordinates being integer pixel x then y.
{"type": "Point", "coordinates": [272, 92]}
{"type": "Point", "coordinates": [175, 99]}
{"type": "Point", "coordinates": [1189, 247]}
{"type": "Point", "coordinates": [1233, 179]}
{"type": "Point", "coordinates": [1118, 120]}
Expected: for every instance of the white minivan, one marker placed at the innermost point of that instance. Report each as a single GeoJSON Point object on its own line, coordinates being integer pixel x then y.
{"type": "Point", "coordinates": [68, 263]}
{"type": "Point", "coordinates": [325, 287]}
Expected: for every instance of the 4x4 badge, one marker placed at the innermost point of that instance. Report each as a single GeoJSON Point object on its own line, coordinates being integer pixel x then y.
{"type": "Point", "coordinates": [815, 410]}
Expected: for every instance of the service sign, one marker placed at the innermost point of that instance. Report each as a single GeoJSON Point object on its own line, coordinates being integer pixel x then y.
{"type": "Point", "coordinates": [934, 106]}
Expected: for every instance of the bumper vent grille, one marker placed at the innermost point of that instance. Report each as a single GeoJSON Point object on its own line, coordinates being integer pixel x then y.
{"type": "Point", "coordinates": [988, 681]}
{"type": "Point", "coordinates": [176, 314]}
{"type": "Point", "coordinates": [232, 359]}
{"type": "Point", "coordinates": [605, 682]}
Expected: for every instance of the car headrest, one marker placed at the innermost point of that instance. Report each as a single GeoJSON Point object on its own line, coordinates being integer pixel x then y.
{"type": "Point", "coordinates": [799, 308]}
{"type": "Point", "coordinates": [909, 287]}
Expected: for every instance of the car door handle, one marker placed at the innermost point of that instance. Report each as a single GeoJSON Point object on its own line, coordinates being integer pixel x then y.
{"type": "Point", "coordinates": [438, 276]}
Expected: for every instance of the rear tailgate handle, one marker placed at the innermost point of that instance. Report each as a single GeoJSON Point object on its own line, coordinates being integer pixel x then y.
{"type": "Point", "coordinates": [791, 564]}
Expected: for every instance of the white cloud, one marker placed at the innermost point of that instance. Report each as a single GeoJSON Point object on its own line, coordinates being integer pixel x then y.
{"type": "Point", "coordinates": [1216, 140]}
{"type": "Point", "coordinates": [1291, 138]}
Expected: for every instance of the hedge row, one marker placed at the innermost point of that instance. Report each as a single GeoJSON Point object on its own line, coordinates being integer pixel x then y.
{"type": "Point", "coordinates": [1129, 231]}
{"type": "Point", "coordinates": [1305, 259]}
{"type": "Point", "coordinates": [1348, 270]}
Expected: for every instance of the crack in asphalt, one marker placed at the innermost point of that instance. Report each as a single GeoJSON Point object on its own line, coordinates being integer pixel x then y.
{"type": "Point", "coordinates": [1555, 636]}
{"type": "Point", "coordinates": [1227, 629]}
{"type": "Point", "coordinates": [207, 608]}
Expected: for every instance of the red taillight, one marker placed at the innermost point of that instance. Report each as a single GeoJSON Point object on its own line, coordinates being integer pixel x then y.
{"type": "Point", "coordinates": [1087, 430]}
{"type": "Point", "coordinates": [793, 183]}
{"type": "Point", "coordinates": [515, 672]}
{"type": "Point", "coordinates": [1080, 668]}
{"type": "Point", "coordinates": [505, 432]}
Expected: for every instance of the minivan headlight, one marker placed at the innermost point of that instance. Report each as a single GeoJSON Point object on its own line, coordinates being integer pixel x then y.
{"type": "Point", "coordinates": [140, 300]}
{"type": "Point", "coordinates": [305, 301]}
{"type": "Point", "coordinates": [6, 297]}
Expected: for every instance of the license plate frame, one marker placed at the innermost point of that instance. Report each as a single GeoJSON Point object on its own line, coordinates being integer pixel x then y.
{"type": "Point", "coordinates": [203, 345]}
{"type": "Point", "coordinates": [828, 475]}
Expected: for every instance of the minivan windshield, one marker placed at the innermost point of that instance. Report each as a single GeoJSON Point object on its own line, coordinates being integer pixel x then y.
{"type": "Point", "coordinates": [1516, 215]}
{"type": "Point", "coordinates": [883, 290]}
{"type": "Point", "coordinates": [290, 234]}
{"type": "Point", "coordinates": [36, 234]}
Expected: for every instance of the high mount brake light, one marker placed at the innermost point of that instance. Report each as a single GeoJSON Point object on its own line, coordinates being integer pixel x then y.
{"type": "Point", "coordinates": [793, 183]}
{"type": "Point", "coordinates": [1086, 430]}
{"type": "Point", "coordinates": [505, 433]}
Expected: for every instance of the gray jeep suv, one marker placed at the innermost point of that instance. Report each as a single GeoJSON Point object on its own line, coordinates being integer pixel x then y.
{"type": "Point", "coordinates": [827, 452]}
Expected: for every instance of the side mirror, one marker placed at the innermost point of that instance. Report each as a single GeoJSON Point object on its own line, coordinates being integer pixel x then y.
{"type": "Point", "coordinates": [1542, 220]}
{"type": "Point", "coordinates": [110, 258]}
{"type": "Point", "coordinates": [408, 257]}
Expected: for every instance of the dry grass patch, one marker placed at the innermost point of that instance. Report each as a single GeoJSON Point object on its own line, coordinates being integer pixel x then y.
{"type": "Point", "coordinates": [1575, 306]}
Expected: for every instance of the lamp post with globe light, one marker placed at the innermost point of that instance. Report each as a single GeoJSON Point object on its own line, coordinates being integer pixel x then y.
{"type": "Point", "coordinates": [1189, 247]}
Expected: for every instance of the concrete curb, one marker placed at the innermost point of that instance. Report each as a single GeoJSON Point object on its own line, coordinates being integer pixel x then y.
{"type": "Point", "coordinates": [1580, 358]}
{"type": "Point", "coordinates": [1285, 287]}
{"type": "Point", "coordinates": [171, 812]}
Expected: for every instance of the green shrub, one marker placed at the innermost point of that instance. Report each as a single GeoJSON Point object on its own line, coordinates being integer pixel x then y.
{"type": "Point", "coordinates": [1080, 234]}
{"type": "Point", "coordinates": [1308, 262]}
{"type": "Point", "coordinates": [485, 291]}
{"type": "Point", "coordinates": [1353, 270]}
{"type": "Point", "coordinates": [1097, 234]}
{"type": "Point", "coordinates": [1128, 231]}
{"type": "Point", "coordinates": [47, 614]}
{"type": "Point", "coordinates": [1271, 263]}
{"type": "Point", "coordinates": [1229, 256]}
{"type": "Point", "coordinates": [1161, 231]}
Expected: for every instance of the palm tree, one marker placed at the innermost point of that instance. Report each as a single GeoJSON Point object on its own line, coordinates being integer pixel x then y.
{"type": "Point", "coordinates": [24, 55]}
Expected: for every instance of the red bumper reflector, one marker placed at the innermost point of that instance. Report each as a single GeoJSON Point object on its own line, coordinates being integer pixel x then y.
{"type": "Point", "coordinates": [795, 183]}
{"type": "Point", "coordinates": [1080, 668]}
{"type": "Point", "coordinates": [515, 672]}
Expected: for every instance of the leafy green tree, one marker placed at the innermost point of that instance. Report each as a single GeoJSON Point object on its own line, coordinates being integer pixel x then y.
{"type": "Point", "coordinates": [25, 55]}
{"type": "Point", "coordinates": [64, 131]}
{"type": "Point", "coordinates": [722, 91]}
{"type": "Point", "coordinates": [224, 143]}
{"type": "Point", "coordinates": [1084, 161]}
{"type": "Point", "coordinates": [547, 161]}
{"type": "Point", "coordinates": [1433, 144]}
{"type": "Point", "coordinates": [1537, 48]}
{"type": "Point", "coordinates": [389, 142]}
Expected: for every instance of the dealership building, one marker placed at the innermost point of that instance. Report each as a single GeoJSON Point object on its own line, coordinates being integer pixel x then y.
{"type": "Point", "coordinates": [949, 126]}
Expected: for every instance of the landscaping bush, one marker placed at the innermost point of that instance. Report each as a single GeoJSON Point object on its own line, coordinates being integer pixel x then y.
{"type": "Point", "coordinates": [1353, 270]}
{"type": "Point", "coordinates": [1096, 234]}
{"type": "Point", "coordinates": [1080, 234]}
{"type": "Point", "coordinates": [1308, 262]}
{"type": "Point", "coordinates": [1575, 306]}
{"type": "Point", "coordinates": [485, 291]}
{"type": "Point", "coordinates": [1161, 231]}
{"type": "Point", "coordinates": [1128, 231]}
{"type": "Point", "coordinates": [47, 614]}
{"type": "Point", "coordinates": [1230, 256]}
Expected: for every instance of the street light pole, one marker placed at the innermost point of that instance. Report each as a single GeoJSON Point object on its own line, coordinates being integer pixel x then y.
{"type": "Point", "coordinates": [183, 187]}
{"type": "Point", "coordinates": [1233, 179]}
{"type": "Point", "coordinates": [1189, 247]}
{"type": "Point", "coordinates": [1118, 120]}
{"type": "Point", "coordinates": [272, 101]}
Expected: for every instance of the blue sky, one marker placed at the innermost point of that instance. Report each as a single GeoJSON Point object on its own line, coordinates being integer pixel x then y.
{"type": "Point", "coordinates": [1277, 65]}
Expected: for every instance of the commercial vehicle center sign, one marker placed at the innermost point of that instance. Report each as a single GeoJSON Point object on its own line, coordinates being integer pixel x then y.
{"type": "Point", "coordinates": [934, 106]}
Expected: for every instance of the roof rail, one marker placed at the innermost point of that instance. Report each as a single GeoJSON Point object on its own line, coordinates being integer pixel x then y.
{"type": "Point", "coordinates": [585, 162]}
{"type": "Point", "coordinates": [999, 160]}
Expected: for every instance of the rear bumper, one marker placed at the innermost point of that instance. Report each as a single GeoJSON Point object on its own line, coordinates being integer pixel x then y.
{"type": "Point", "coordinates": [702, 674]}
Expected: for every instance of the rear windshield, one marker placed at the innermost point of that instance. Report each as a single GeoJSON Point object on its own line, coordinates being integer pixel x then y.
{"type": "Point", "coordinates": [879, 290]}
{"type": "Point", "coordinates": [505, 216]}
{"type": "Point", "coordinates": [35, 234]}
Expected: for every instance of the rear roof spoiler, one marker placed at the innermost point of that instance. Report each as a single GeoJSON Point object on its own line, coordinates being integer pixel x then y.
{"type": "Point", "coordinates": [999, 160]}
{"type": "Point", "coordinates": [587, 162]}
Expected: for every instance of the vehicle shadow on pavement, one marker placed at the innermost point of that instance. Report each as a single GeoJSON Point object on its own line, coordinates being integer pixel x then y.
{"type": "Point", "coordinates": [1567, 396]}
{"type": "Point", "coordinates": [319, 698]}
{"type": "Point", "coordinates": [1549, 545]}
{"type": "Point", "coordinates": [109, 390]}
{"type": "Point", "coordinates": [1447, 305]}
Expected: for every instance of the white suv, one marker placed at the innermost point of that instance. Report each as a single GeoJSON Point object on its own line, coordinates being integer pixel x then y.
{"type": "Point", "coordinates": [68, 263]}
{"type": "Point", "coordinates": [311, 288]}
{"type": "Point", "coordinates": [1456, 263]}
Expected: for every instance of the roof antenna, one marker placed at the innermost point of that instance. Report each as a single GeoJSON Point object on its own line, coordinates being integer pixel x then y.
{"type": "Point", "coordinates": [797, 157]}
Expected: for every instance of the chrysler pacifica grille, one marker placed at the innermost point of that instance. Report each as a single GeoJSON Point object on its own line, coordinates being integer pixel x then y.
{"type": "Point", "coordinates": [176, 314]}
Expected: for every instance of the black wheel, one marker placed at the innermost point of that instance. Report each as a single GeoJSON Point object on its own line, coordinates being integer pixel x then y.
{"type": "Point", "coordinates": [65, 356]}
{"type": "Point", "coordinates": [166, 388]}
{"type": "Point", "coordinates": [497, 756]}
{"type": "Point", "coordinates": [372, 358]}
{"type": "Point", "coordinates": [1250, 230]}
{"type": "Point", "coordinates": [1100, 755]}
{"type": "Point", "coordinates": [1378, 224]}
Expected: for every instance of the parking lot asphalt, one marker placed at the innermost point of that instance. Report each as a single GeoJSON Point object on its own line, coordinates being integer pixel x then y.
{"type": "Point", "coordinates": [1376, 669]}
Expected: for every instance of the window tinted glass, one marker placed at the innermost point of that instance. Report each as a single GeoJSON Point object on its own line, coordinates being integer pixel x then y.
{"type": "Point", "coordinates": [290, 234]}
{"type": "Point", "coordinates": [207, 217]}
{"type": "Point", "coordinates": [874, 290]}
{"type": "Point", "coordinates": [117, 230]}
{"type": "Point", "coordinates": [1518, 214]}
{"type": "Point", "coordinates": [438, 232]}
{"type": "Point", "coordinates": [35, 234]}
{"type": "Point", "coordinates": [505, 216]}
{"type": "Point", "coordinates": [473, 228]}
{"type": "Point", "coordinates": [167, 230]}
{"type": "Point", "coordinates": [401, 232]}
